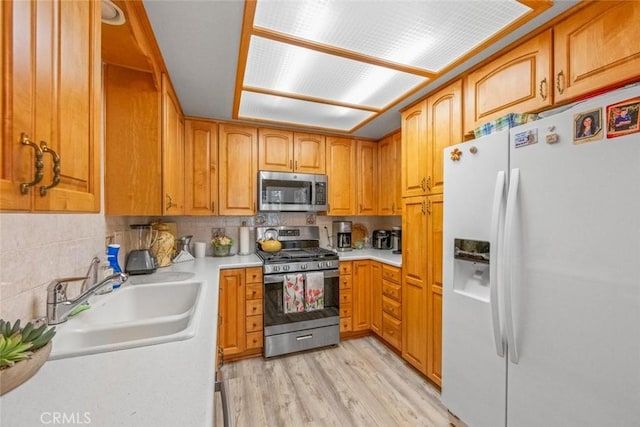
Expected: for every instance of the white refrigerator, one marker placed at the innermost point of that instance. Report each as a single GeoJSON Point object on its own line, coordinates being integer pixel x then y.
{"type": "Point", "coordinates": [541, 305]}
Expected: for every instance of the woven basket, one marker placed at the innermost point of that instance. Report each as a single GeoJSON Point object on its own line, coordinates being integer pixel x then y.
{"type": "Point", "coordinates": [17, 374]}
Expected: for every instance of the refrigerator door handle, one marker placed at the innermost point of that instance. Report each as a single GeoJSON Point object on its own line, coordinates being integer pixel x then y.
{"type": "Point", "coordinates": [496, 264]}
{"type": "Point", "coordinates": [508, 263]}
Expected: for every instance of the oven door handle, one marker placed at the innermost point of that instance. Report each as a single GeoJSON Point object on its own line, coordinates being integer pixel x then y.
{"type": "Point", "coordinates": [279, 278]}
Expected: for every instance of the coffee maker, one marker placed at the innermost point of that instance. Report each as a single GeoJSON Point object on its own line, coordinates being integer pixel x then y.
{"type": "Point", "coordinates": [139, 259]}
{"type": "Point", "coordinates": [396, 240]}
{"type": "Point", "coordinates": [342, 235]}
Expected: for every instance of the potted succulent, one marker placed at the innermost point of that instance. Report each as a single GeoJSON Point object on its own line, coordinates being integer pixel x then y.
{"type": "Point", "coordinates": [22, 352]}
{"type": "Point", "coordinates": [221, 245]}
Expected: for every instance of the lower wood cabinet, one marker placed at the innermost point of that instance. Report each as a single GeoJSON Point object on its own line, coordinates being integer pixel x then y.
{"type": "Point", "coordinates": [240, 330]}
{"type": "Point", "coordinates": [346, 297]}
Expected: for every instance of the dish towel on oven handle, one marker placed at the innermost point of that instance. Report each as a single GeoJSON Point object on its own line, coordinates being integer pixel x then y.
{"type": "Point", "coordinates": [293, 293]}
{"type": "Point", "coordinates": [314, 291]}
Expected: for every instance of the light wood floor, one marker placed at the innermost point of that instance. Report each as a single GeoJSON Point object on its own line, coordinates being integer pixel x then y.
{"type": "Point", "coordinates": [358, 383]}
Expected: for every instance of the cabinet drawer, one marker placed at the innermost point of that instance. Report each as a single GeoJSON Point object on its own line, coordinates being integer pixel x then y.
{"type": "Point", "coordinates": [345, 297]}
{"type": "Point", "coordinates": [254, 340]}
{"type": "Point", "coordinates": [392, 330]}
{"type": "Point", "coordinates": [345, 267]}
{"type": "Point", "coordinates": [346, 325]}
{"type": "Point", "coordinates": [254, 275]}
{"type": "Point", "coordinates": [391, 273]}
{"type": "Point", "coordinates": [392, 290]}
{"type": "Point", "coordinates": [345, 282]}
{"type": "Point", "coordinates": [254, 323]}
{"type": "Point", "coordinates": [346, 310]}
{"type": "Point", "coordinates": [254, 307]}
{"type": "Point", "coordinates": [392, 307]}
{"type": "Point", "coordinates": [253, 291]}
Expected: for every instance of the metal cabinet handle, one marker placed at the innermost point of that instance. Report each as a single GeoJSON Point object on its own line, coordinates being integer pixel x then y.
{"type": "Point", "coordinates": [37, 177]}
{"type": "Point", "coordinates": [428, 203]}
{"type": "Point", "coordinates": [559, 86]}
{"type": "Point", "coordinates": [422, 183]}
{"type": "Point", "coordinates": [429, 182]}
{"type": "Point", "coordinates": [56, 169]}
{"type": "Point", "coordinates": [290, 164]}
{"type": "Point", "coordinates": [423, 207]}
{"type": "Point", "coordinates": [543, 89]}
{"type": "Point", "coordinates": [170, 203]}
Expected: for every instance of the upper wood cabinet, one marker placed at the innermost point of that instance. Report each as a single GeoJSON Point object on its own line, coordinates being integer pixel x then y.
{"type": "Point", "coordinates": [341, 155]}
{"type": "Point", "coordinates": [389, 179]}
{"type": "Point", "coordinates": [201, 167]}
{"type": "Point", "coordinates": [51, 98]}
{"type": "Point", "coordinates": [414, 150]}
{"type": "Point", "coordinates": [367, 177]}
{"type": "Point", "coordinates": [133, 157]}
{"type": "Point", "coordinates": [286, 151]}
{"type": "Point", "coordinates": [172, 151]}
{"type": "Point", "coordinates": [596, 47]}
{"type": "Point", "coordinates": [238, 169]}
{"type": "Point", "coordinates": [518, 81]}
{"type": "Point", "coordinates": [444, 128]}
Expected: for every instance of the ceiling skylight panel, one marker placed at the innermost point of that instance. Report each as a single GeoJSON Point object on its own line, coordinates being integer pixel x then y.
{"type": "Point", "coordinates": [425, 34]}
{"type": "Point", "coordinates": [297, 112]}
{"type": "Point", "coordinates": [279, 67]}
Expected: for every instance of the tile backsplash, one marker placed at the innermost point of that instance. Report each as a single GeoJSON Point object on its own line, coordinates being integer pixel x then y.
{"type": "Point", "coordinates": [37, 248]}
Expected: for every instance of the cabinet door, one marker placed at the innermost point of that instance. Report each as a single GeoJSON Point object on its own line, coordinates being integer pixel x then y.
{"type": "Point", "coordinates": [414, 150]}
{"type": "Point", "coordinates": [361, 288]}
{"type": "Point", "coordinates": [275, 150]}
{"type": "Point", "coordinates": [414, 282]}
{"type": "Point", "coordinates": [341, 160]}
{"type": "Point", "coordinates": [309, 153]}
{"type": "Point", "coordinates": [172, 151]}
{"type": "Point", "coordinates": [53, 88]}
{"type": "Point", "coordinates": [444, 112]}
{"type": "Point", "coordinates": [376, 297]}
{"type": "Point", "coordinates": [231, 331]}
{"type": "Point", "coordinates": [518, 81]}
{"type": "Point", "coordinates": [367, 177]}
{"type": "Point", "coordinates": [201, 167]}
{"type": "Point", "coordinates": [238, 171]}
{"type": "Point", "coordinates": [434, 311]}
{"type": "Point", "coordinates": [389, 180]}
{"type": "Point", "coordinates": [595, 48]}
{"type": "Point", "coordinates": [132, 170]}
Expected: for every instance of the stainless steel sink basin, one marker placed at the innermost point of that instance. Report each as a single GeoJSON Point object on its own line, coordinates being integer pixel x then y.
{"type": "Point", "coordinates": [133, 316]}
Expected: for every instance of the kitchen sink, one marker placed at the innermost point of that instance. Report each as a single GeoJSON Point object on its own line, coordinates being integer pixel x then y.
{"type": "Point", "coordinates": [133, 316]}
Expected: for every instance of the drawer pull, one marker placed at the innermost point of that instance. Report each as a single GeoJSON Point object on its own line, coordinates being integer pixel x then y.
{"type": "Point", "coordinates": [24, 140]}
{"type": "Point", "coordinates": [304, 337]}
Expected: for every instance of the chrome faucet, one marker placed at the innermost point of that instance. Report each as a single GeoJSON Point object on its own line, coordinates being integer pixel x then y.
{"type": "Point", "coordinates": [59, 307]}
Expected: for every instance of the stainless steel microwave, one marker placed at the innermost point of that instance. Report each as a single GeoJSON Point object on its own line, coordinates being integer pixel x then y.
{"type": "Point", "coordinates": [291, 192]}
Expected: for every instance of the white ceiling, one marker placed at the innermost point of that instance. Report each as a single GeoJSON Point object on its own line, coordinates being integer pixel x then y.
{"type": "Point", "coordinates": [200, 40]}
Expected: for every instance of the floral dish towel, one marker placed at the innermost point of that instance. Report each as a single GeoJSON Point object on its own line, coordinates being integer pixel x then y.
{"type": "Point", "coordinates": [293, 293]}
{"type": "Point", "coordinates": [314, 291]}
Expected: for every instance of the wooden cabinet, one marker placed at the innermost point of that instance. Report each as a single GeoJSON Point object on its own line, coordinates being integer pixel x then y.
{"type": "Point", "coordinates": [389, 175]}
{"type": "Point", "coordinates": [253, 309]}
{"type": "Point", "coordinates": [392, 305]}
{"type": "Point", "coordinates": [346, 297]}
{"type": "Point", "coordinates": [201, 167]}
{"type": "Point", "coordinates": [51, 94]}
{"type": "Point", "coordinates": [414, 282]}
{"type": "Point", "coordinates": [341, 158]}
{"type": "Point", "coordinates": [286, 151]}
{"type": "Point", "coordinates": [444, 128]}
{"type": "Point", "coordinates": [367, 177]}
{"type": "Point", "coordinates": [434, 280]}
{"type": "Point", "coordinates": [361, 295]}
{"type": "Point", "coordinates": [376, 297]}
{"type": "Point", "coordinates": [518, 81]}
{"type": "Point", "coordinates": [414, 150]}
{"type": "Point", "coordinates": [231, 307]}
{"type": "Point", "coordinates": [172, 151]}
{"type": "Point", "coordinates": [595, 48]}
{"type": "Point", "coordinates": [238, 169]}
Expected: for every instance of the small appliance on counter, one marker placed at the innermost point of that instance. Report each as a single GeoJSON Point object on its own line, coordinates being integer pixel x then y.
{"type": "Point", "coordinates": [396, 240]}
{"type": "Point", "coordinates": [342, 235]}
{"type": "Point", "coordinates": [139, 259]}
{"type": "Point", "coordinates": [381, 239]}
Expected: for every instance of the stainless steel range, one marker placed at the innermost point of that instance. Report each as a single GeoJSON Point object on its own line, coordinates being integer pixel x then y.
{"type": "Point", "coordinates": [301, 291]}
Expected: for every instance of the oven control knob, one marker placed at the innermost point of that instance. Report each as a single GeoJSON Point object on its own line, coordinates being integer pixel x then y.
{"type": "Point", "coordinates": [303, 266]}
{"type": "Point", "coordinates": [275, 268]}
{"type": "Point", "coordinates": [320, 264]}
{"type": "Point", "coordinates": [285, 267]}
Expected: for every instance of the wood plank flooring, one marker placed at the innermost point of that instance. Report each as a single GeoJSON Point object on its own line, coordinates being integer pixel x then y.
{"type": "Point", "coordinates": [358, 383]}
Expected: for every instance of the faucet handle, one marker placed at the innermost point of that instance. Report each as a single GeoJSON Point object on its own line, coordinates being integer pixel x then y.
{"type": "Point", "coordinates": [57, 289]}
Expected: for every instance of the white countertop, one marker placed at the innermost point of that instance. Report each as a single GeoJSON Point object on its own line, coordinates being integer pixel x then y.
{"type": "Point", "coordinates": [168, 384]}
